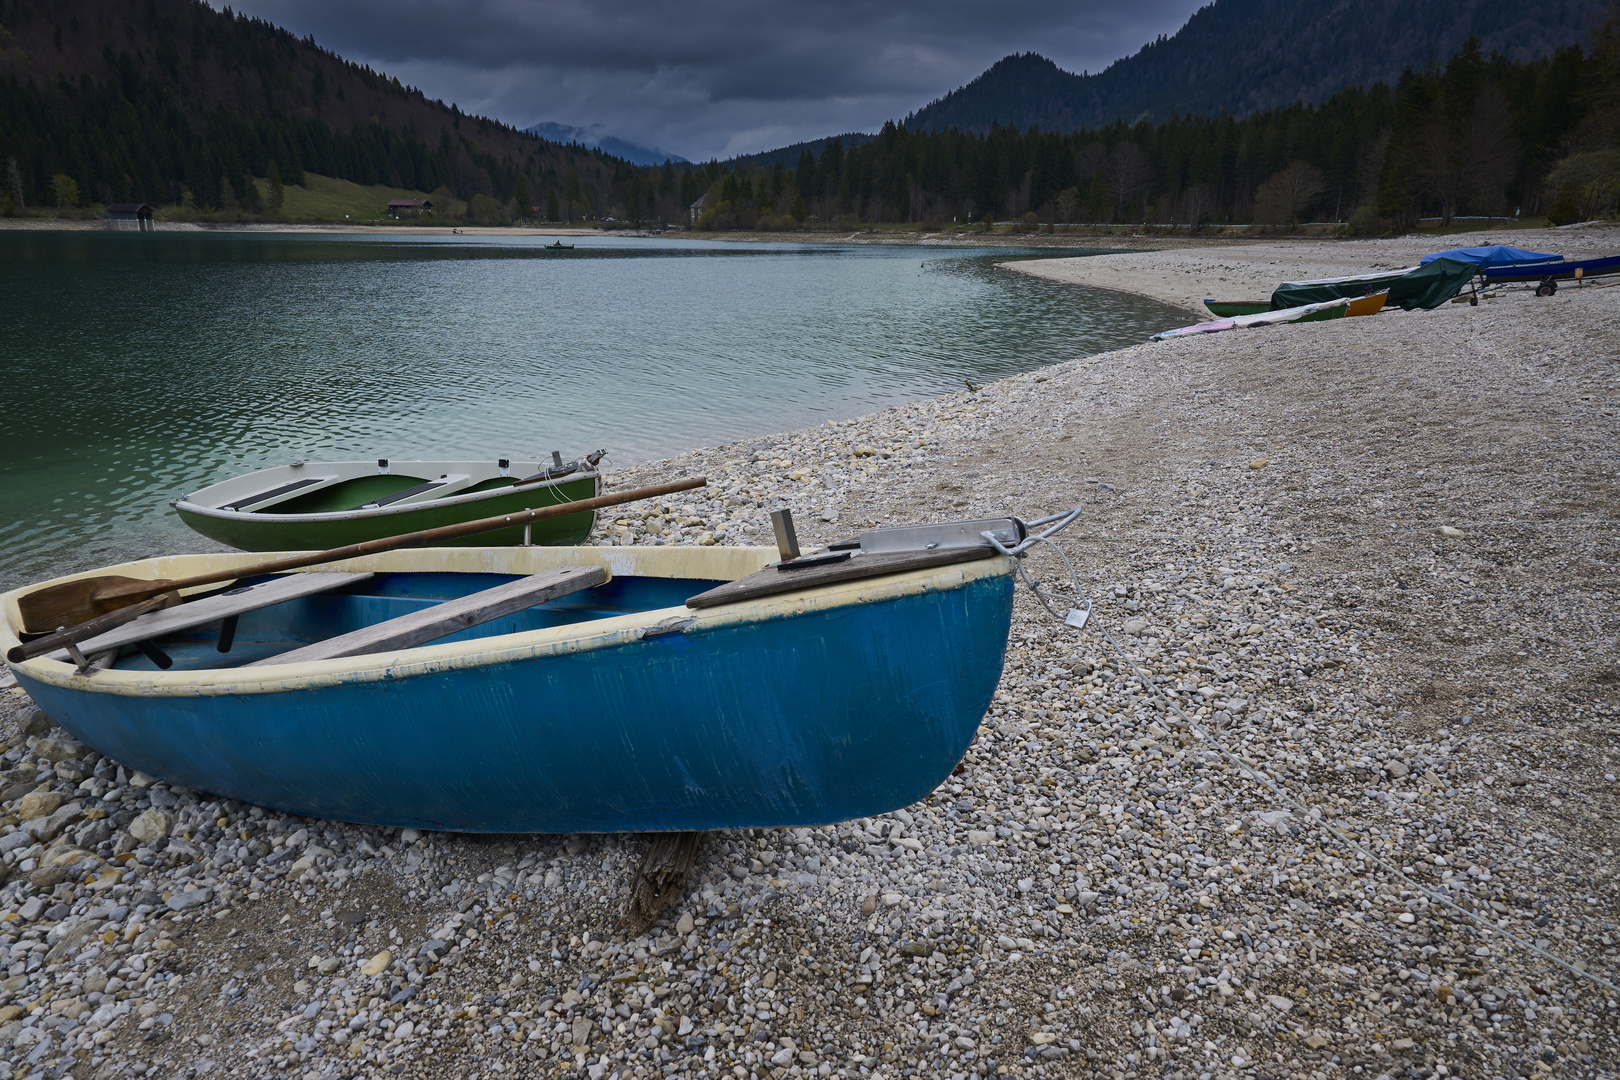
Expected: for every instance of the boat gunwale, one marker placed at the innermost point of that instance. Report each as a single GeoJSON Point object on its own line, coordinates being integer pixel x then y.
{"type": "Point", "coordinates": [369, 512]}
{"type": "Point", "coordinates": [546, 642]}
{"type": "Point", "coordinates": [1351, 279]}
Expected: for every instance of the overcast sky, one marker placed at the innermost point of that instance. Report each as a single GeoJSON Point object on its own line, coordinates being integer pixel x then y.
{"type": "Point", "coordinates": [712, 78]}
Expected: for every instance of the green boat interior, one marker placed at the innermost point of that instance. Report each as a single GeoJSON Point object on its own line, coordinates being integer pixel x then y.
{"type": "Point", "coordinates": [343, 487]}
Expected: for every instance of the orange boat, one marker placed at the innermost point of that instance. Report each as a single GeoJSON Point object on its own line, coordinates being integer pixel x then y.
{"type": "Point", "coordinates": [1368, 305]}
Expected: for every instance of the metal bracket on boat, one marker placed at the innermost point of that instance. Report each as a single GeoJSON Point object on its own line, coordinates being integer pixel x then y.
{"type": "Point", "coordinates": [676, 625]}
{"type": "Point", "coordinates": [1057, 522]}
{"type": "Point", "coordinates": [951, 534]}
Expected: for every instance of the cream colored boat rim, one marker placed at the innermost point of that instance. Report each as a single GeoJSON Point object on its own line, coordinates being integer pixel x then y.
{"type": "Point", "coordinates": [716, 563]}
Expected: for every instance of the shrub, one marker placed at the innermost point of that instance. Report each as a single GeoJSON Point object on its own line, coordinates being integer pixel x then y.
{"type": "Point", "coordinates": [486, 211]}
{"type": "Point", "coordinates": [1366, 222]}
{"type": "Point", "coordinates": [1585, 186]}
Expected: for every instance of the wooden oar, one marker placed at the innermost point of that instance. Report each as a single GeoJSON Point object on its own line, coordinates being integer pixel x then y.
{"type": "Point", "coordinates": [87, 630]}
{"type": "Point", "coordinates": [73, 602]}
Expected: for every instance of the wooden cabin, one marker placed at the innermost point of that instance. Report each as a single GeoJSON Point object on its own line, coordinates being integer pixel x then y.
{"type": "Point", "coordinates": [404, 208]}
{"type": "Point", "coordinates": [136, 217]}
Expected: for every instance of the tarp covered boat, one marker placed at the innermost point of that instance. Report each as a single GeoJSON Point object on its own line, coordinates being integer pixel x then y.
{"type": "Point", "coordinates": [1554, 271]}
{"type": "Point", "coordinates": [1426, 286]}
{"type": "Point", "coordinates": [1491, 256]}
{"type": "Point", "coordinates": [314, 505]}
{"type": "Point", "coordinates": [624, 702]}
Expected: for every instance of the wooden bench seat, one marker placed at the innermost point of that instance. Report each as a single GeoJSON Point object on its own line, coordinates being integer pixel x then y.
{"type": "Point", "coordinates": [449, 617]}
{"type": "Point", "coordinates": [216, 608]}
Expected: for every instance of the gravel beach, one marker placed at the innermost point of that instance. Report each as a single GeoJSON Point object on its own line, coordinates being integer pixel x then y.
{"type": "Point", "coordinates": [1373, 559]}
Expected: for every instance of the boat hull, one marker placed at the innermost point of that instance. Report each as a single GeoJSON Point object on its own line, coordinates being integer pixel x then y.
{"type": "Point", "coordinates": [1557, 271]}
{"type": "Point", "coordinates": [1226, 309]}
{"type": "Point", "coordinates": [1367, 305]}
{"type": "Point", "coordinates": [815, 707]}
{"type": "Point", "coordinates": [318, 532]}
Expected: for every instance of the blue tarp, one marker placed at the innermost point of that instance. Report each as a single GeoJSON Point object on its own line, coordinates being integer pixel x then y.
{"type": "Point", "coordinates": [1495, 255]}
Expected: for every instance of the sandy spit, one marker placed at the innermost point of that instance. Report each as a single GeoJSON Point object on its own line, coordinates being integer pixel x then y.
{"type": "Point", "coordinates": [1250, 269]}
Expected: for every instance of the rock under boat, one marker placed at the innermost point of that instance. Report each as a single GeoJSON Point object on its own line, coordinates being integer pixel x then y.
{"type": "Point", "coordinates": [555, 689]}
{"type": "Point", "coordinates": [318, 505]}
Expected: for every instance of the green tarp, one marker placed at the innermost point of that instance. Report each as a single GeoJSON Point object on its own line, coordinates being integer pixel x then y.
{"type": "Point", "coordinates": [1428, 286]}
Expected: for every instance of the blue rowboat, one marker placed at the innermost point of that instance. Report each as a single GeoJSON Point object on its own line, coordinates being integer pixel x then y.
{"type": "Point", "coordinates": [612, 708]}
{"type": "Point", "coordinates": [1554, 270]}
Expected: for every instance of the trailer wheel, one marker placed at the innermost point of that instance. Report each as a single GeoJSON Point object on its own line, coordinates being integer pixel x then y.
{"type": "Point", "coordinates": [1547, 288]}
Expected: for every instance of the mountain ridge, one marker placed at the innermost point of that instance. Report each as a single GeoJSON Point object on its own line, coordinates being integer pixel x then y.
{"type": "Point", "coordinates": [1246, 56]}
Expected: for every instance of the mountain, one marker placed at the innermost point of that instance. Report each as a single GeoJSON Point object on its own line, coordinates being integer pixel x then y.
{"type": "Point", "coordinates": [170, 101]}
{"type": "Point", "coordinates": [1243, 56]}
{"type": "Point", "coordinates": [619, 148]}
{"type": "Point", "coordinates": [789, 155]}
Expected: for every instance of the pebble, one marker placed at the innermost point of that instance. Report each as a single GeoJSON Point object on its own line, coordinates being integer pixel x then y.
{"type": "Point", "coordinates": [1095, 892]}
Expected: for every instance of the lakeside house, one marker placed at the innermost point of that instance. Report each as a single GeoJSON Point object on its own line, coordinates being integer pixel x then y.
{"type": "Point", "coordinates": [404, 208]}
{"type": "Point", "coordinates": [698, 207]}
{"type": "Point", "coordinates": [136, 217]}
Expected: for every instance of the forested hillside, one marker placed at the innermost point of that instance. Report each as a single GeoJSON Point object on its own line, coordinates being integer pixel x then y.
{"type": "Point", "coordinates": [1243, 56]}
{"type": "Point", "coordinates": [169, 101]}
{"type": "Point", "coordinates": [1481, 135]}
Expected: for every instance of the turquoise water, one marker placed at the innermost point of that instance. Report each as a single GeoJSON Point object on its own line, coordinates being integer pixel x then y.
{"type": "Point", "coordinates": [139, 366]}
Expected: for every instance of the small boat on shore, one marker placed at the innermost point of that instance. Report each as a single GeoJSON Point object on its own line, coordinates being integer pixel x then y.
{"type": "Point", "coordinates": [1550, 273]}
{"type": "Point", "coordinates": [309, 505]}
{"type": "Point", "coordinates": [1330, 309]}
{"type": "Point", "coordinates": [1226, 309]}
{"type": "Point", "coordinates": [1367, 305]}
{"type": "Point", "coordinates": [583, 689]}
{"type": "Point", "coordinates": [1426, 286]}
{"type": "Point", "coordinates": [1229, 309]}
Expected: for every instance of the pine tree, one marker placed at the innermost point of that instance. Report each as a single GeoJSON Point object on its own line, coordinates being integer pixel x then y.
{"type": "Point", "coordinates": [14, 183]}
{"type": "Point", "coordinates": [66, 190]}
{"type": "Point", "coordinates": [278, 193]}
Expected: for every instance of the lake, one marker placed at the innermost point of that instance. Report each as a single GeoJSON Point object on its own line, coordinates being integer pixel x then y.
{"type": "Point", "coordinates": [140, 366]}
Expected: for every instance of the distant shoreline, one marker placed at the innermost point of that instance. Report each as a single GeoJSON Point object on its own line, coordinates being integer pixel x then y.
{"type": "Point", "coordinates": [1123, 240]}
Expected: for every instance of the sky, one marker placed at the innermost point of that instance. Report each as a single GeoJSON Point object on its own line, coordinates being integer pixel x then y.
{"type": "Point", "coordinates": [712, 78]}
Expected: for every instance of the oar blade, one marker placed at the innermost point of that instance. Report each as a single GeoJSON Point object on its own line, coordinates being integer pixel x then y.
{"type": "Point", "coordinates": [69, 603]}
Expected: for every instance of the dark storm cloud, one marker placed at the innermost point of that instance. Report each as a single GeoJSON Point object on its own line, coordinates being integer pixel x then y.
{"type": "Point", "coordinates": [712, 77]}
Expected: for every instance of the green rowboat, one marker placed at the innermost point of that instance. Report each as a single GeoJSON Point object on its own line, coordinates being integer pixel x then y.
{"type": "Point", "coordinates": [1226, 309]}
{"type": "Point", "coordinates": [319, 505]}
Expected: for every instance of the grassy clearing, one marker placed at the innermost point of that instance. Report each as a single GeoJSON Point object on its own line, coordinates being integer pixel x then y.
{"type": "Point", "coordinates": [326, 198]}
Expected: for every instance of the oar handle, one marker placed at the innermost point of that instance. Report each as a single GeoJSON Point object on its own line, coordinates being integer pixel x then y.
{"type": "Point", "coordinates": [85, 630]}
{"type": "Point", "coordinates": [444, 532]}
{"type": "Point", "coordinates": [80, 599]}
